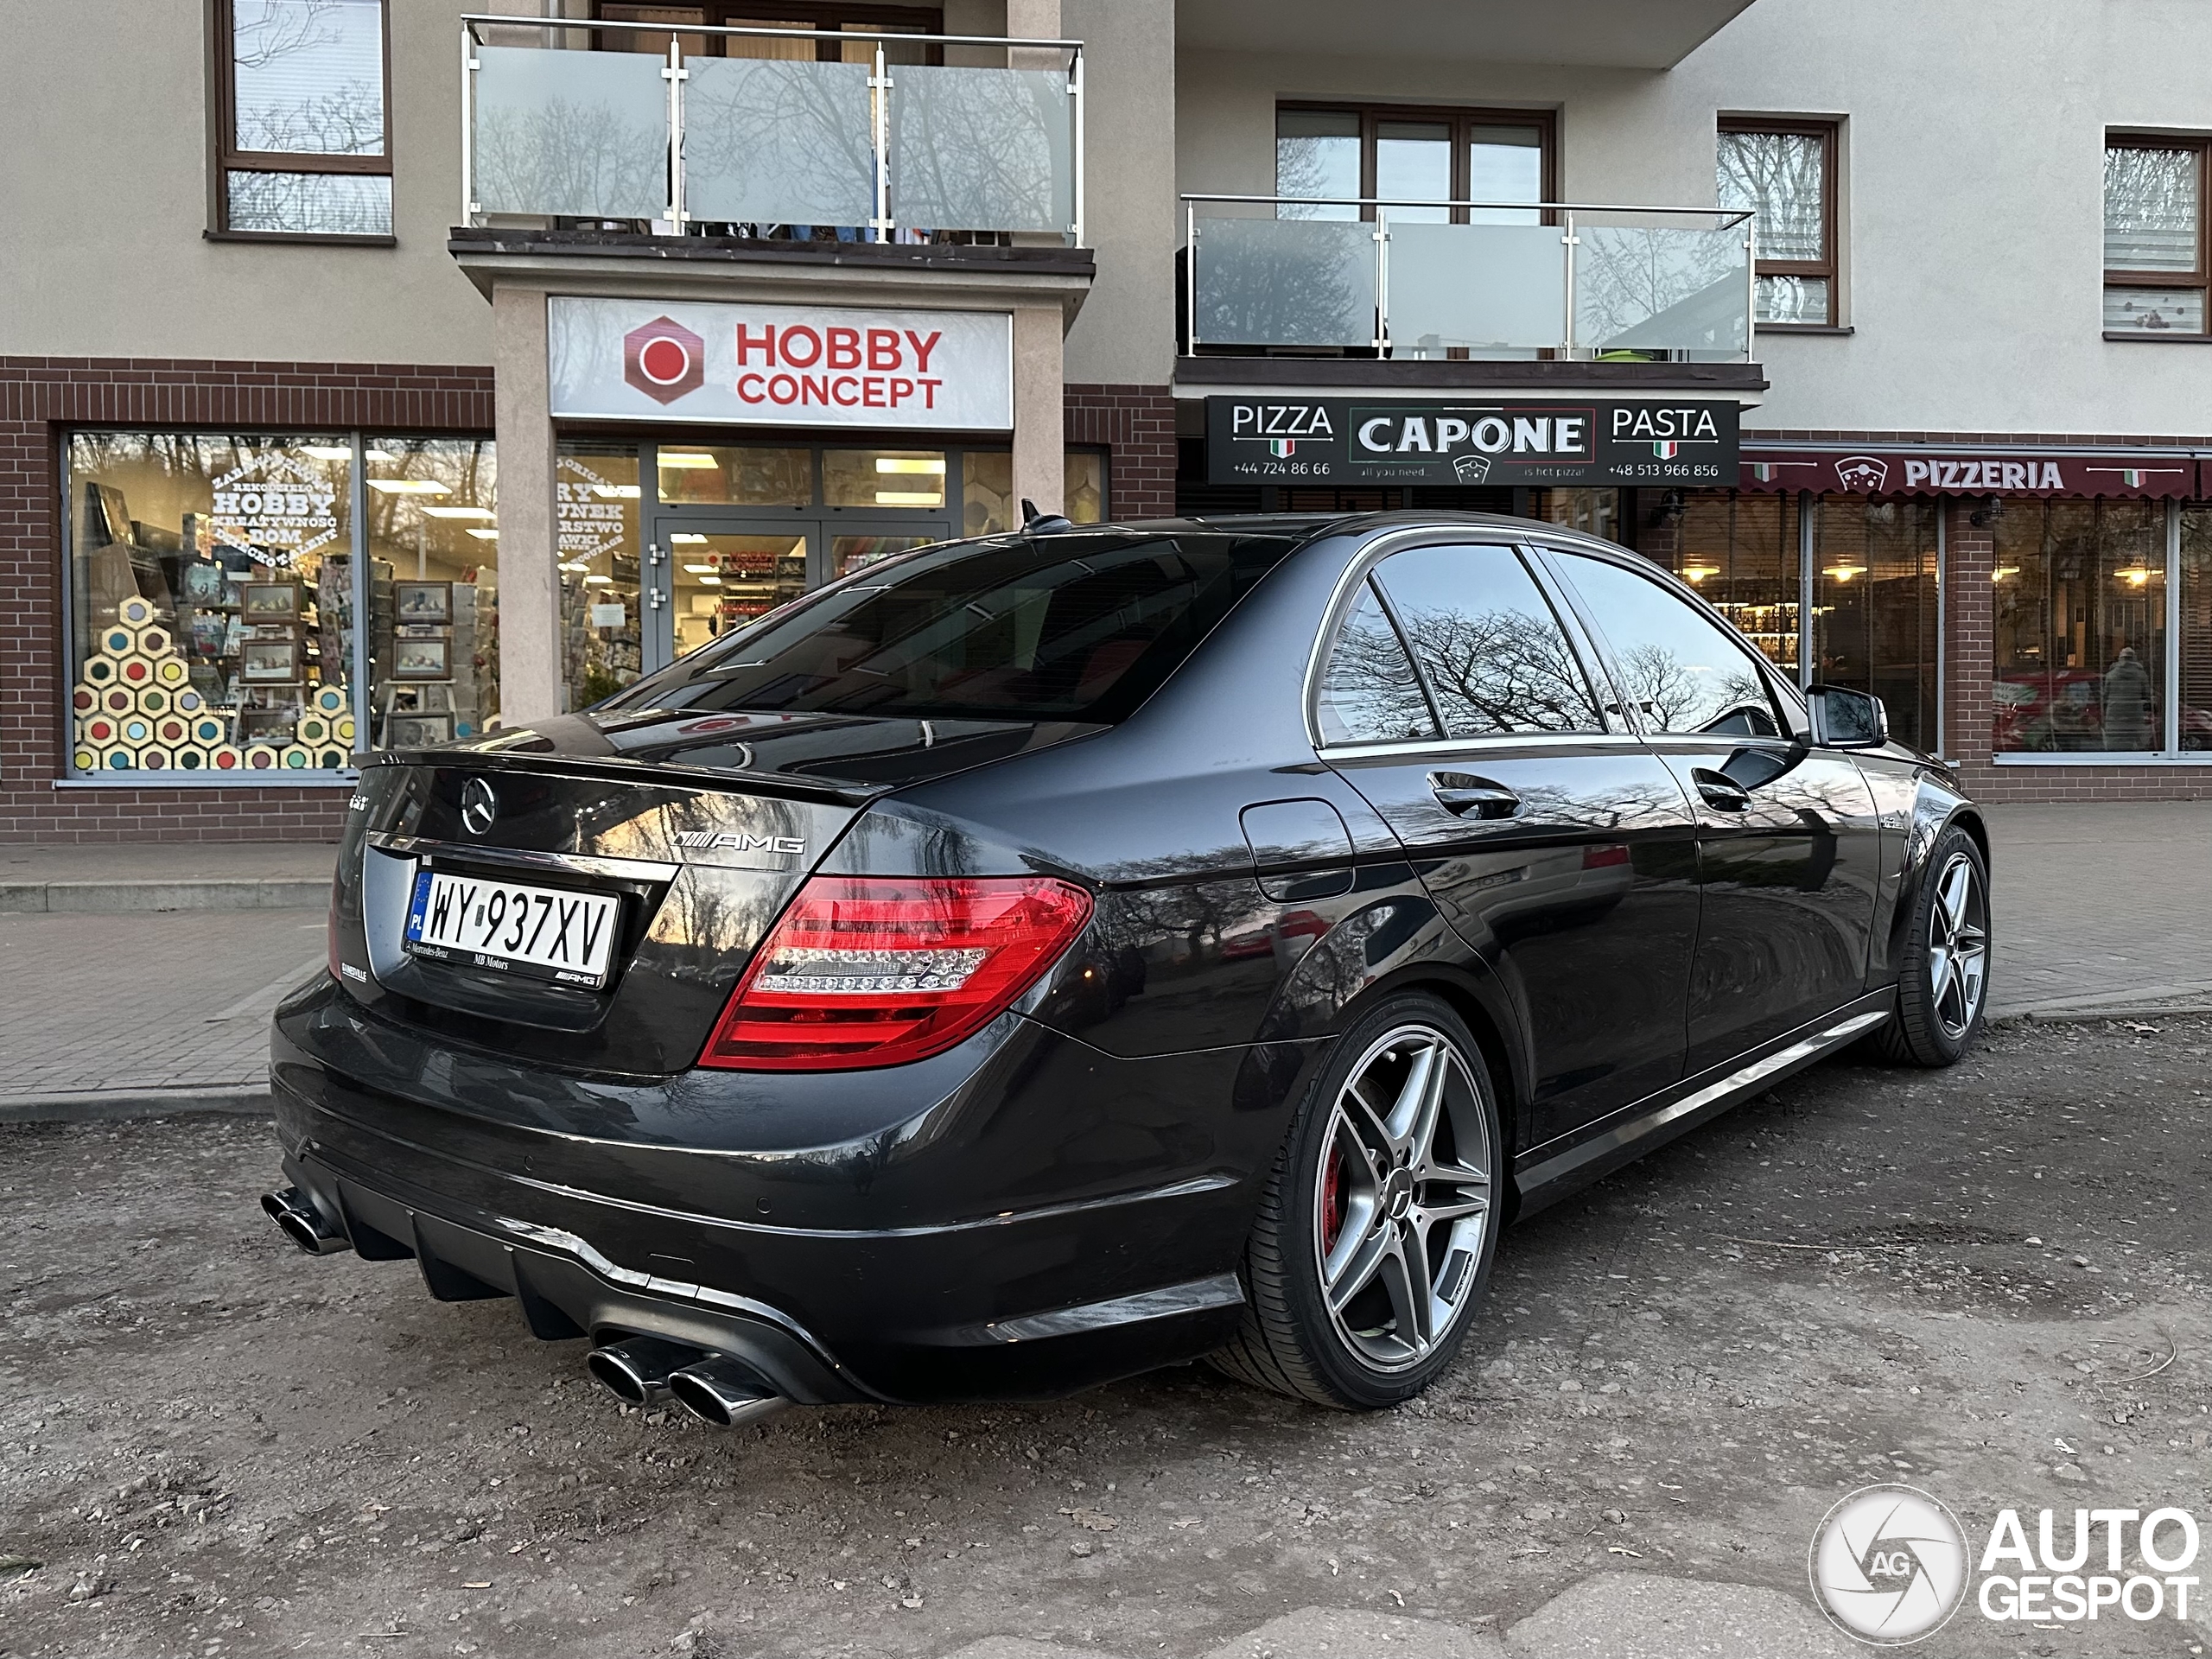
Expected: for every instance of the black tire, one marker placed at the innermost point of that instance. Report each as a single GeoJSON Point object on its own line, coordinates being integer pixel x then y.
{"type": "Point", "coordinates": [1375, 1355]}
{"type": "Point", "coordinates": [1939, 1013]}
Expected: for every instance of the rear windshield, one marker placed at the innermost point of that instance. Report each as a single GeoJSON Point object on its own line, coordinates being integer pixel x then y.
{"type": "Point", "coordinates": [1076, 627]}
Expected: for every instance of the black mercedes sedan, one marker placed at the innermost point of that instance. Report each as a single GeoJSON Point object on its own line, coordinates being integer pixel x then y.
{"type": "Point", "coordinates": [1039, 958]}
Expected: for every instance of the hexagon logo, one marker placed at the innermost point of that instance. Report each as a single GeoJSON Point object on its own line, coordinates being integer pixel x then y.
{"type": "Point", "coordinates": [663, 359]}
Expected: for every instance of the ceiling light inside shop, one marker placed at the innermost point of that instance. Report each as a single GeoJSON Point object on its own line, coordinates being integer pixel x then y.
{"type": "Point", "coordinates": [2135, 576]}
{"type": "Point", "coordinates": [1700, 572]}
{"type": "Point", "coordinates": [2004, 572]}
{"type": "Point", "coordinates": [703, 570]}
{"type": "Point", "coordinates": [596, 581]}
{"type": "Point", "coordinates": [909, 499]}
{"type": "Point", "coordinates": [409, 486]}
{"type": "Point", "coordinates": [686, 537]}
{"type": "Point", "coordinates": [573, 564]}
{"type": "Point", "coordinates": [910, 464]}
{"type": "Point", "coordinates": [328, 451]}
{"type": "Point", "coordinates": [461, 512]}
{"type": "Point", "coordinates": [482, 535]}
{"type": "Point", "coordinates": [711, 582]}
{"type": "Point", "coordinates": [680, 461]}
{"type": "Point", "coordinates": [1844, 572]}
{"type": "Point", "coordinates": [615, 492]}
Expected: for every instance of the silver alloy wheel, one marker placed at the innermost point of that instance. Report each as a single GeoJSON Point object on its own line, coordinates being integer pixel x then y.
{"type": "Point", "coordinates": [1402, 1197]}
{"type": "Point", "coordinates": [1958, 946]}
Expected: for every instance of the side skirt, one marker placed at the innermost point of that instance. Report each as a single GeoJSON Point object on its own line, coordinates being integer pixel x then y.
{"type": "Point", "coordinates": [1648, 1125]}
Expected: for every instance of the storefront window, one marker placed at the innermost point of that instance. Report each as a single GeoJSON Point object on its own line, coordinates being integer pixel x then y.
{"type": "Point", "coordinates": [211, 602]}
{"type": "Point", "coordinates": [1594, 512]}
{"type": "Point", "coordinates": [883, 478]}
{"type": "Point", "coordinates": [988, 506]}
{"type": "Point", "coordinates": [596, 494]}
{"type": "Point", "coordinates": [2081, 643]}
{"type": "Point", "coordinates": [723, 581]}
{"type": "Point", "coordinates": [1876, 623]}
{"type": "Point", "coordinates": [2195, 675]}
{"type": "Point", "coordinates": [433, 589]}
{"type": "Point", "coordinates": [749, 477]}
{"type": "Point", "coordinates": [1740, 552]}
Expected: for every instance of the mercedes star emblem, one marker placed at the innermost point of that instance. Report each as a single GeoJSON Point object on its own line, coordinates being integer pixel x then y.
{"type": "Point", "coordinates": [478, 806]}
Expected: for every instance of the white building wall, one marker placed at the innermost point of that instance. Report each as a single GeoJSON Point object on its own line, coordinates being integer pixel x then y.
{"type": "Point", "coordinates": [1972, 205]}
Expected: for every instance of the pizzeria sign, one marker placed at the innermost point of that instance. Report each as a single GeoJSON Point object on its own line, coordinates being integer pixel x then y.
{"type": "Point", "coordinates": [1931, 472]}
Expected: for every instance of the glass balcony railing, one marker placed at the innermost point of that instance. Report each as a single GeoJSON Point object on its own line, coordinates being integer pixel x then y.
{"type": "Point", "coordinates": [790, 132]}
{"type": "Point", "coordinates": [1403, 280]}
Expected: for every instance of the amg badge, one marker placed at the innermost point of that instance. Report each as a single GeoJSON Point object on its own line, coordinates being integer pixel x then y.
{"type": "Point", "coordinates": [708, 839]}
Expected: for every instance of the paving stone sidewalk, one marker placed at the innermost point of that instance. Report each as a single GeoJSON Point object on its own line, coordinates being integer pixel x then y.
{"type": "Point", "coordinates": [107, 1004]}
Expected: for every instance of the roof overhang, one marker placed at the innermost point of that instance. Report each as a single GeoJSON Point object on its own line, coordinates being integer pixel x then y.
{"type": "Point", "coordinates": [1601, 34]}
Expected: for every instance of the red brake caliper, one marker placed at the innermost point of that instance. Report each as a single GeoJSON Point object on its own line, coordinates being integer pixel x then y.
{"type": "Point", "coordinates": [1332, 1199]}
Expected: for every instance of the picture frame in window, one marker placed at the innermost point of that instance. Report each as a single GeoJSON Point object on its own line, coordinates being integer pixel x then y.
{"type": "Point", "coordinates": [421, 659]}
{"type": "Point", "coordinates": [418, 731]}
{"type": "Point", "coordinates": [422, 604]}
{"type": "Point", "coordinates": [264, 603]}
{"type": "Point", "coordinates": [205, 583]}
{"type": "Point", "coordinates": [270, 662]}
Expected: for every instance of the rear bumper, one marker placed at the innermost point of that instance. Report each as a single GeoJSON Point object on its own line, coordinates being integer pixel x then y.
{"type": "Point", "coordinates": [1132, 1185]}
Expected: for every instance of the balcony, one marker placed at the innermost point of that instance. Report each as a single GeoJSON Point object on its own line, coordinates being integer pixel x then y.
{"type": "Point", "coordinates": [789, 134]}
{"type": "Point", "coordinates": [1310, 277]}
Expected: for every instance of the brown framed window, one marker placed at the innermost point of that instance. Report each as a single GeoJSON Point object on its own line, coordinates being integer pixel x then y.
{"type": "Point", "coordinates": [1407, 153]}
{"type": "Point", "coordinates": [2155, 265]}
{"type": "Point", "coordinates": [777, 14]}
{"type": "Point", "coordinates": [301, 100]}
{"type": "Point", "coordinates": [1784, 171]}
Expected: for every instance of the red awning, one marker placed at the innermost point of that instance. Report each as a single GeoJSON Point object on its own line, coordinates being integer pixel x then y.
{"type": "Point", "coordinates": [1969, 472]}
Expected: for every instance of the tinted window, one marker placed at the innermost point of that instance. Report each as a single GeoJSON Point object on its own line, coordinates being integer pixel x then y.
{"type": "Point", "coordinates": [1079, 627]}
{"type": "Point", "coordinates": [1495, 658]}
{"type": "Point", "coordinates": [1369, 693]}
{"type": "Point", "coordinates": [1683, 670]}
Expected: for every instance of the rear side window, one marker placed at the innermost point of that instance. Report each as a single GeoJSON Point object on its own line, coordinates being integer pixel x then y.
{"type": "Point", "coordinates": [1369, 690]}
{"type": "Point", "coordinates": [1495, 657]}
{"type": "Point", "coordinates": [1684, 672]}
{"type": "Point", "coordinates": [1072, 627]}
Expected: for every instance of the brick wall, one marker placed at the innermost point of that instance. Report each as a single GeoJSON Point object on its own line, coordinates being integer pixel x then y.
{"type": "Point", "coordinates": [39, 398]}
{"type": "Point", "coordinates": [1137, 424]}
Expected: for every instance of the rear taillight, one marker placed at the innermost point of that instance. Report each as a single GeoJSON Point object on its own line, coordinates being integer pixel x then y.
{"type": "Point", "coordinates": [877, 970]}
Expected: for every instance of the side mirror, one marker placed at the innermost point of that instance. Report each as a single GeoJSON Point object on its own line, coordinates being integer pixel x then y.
{"type": "Point", "coordinates": [1844, 719]}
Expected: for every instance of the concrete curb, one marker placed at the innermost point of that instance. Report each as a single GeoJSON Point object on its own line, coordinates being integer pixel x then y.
{"type": "Point", "coordinates": [107, 1105]}
{"type": "Point", "coordinates": [2090, 1016]}
{"type": "Point", "coordinates": [126, 897]}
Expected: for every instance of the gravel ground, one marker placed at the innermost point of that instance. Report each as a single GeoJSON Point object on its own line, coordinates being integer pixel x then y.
{"type": "Point", "coordinates": [1989, 1282]}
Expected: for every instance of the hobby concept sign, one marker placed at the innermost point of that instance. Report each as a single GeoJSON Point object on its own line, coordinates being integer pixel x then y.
{"type": "Point", "coordinates": [1511, 440]}
{"type": "Point", "coordinates": [780, 365]}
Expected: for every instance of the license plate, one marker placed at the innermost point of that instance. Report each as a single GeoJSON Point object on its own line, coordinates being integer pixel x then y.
{"type": "Point", "coordinates": [513, 928]}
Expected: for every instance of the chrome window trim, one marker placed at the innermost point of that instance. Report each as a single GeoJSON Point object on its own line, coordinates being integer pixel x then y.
{"type": "Point", "coordinates": [1489, 744]}
{"type": "Point", "coordinates": [619, 869]}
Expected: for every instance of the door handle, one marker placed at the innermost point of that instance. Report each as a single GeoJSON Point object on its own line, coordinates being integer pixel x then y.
{"type": "Point", "coordinates": [1721, 793]}
{"type": "Point", "coordinates": [1460, 795]}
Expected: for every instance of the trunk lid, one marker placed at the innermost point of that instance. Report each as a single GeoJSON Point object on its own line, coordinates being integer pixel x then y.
{"type": "Point", "coordinates": [700, 827]}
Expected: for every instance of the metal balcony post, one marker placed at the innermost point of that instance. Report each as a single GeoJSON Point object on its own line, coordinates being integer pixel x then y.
{"type": "Point", "coordinates": [1381, 279]}
{"type": "Point", "coordinates": [1191, 277]}
{"type": "Point", "coordinates": [1074, 102]}
{"type": "Point", "coordinates": [1752, 285]}
{"type": "Point", "coordinates": [880, 92]}
{"type": "Point", "coordinates": [468, 207]}
{"type": "Point", "coordinates": [677, 74]}
{"type": "Point", "coordinates": [1568, 241]}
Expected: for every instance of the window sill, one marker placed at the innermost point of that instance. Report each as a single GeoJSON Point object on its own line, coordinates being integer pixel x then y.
{"type": "Point", "coordinates": [265, 778]}
{"type": "Point", "coordinates": [2089, 757]}
{"type": "Point", "coordinates": [2157, 337]}
{"type": "Point", "coordinates": [303, 239]}
{"type": "Point", "coordinates": [1838, 329]}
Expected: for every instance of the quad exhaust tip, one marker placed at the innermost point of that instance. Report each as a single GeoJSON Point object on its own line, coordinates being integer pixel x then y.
{"type": "Point", "coordinates": [723, 1394]}
{"type": "Point", "coordinates": [719, 1392]}
{"type": "Point", "coordinates": [298, 1219]}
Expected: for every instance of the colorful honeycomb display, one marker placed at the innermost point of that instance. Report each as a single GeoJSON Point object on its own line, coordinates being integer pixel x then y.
{"type": "Point", "coordinates": [137, 710]}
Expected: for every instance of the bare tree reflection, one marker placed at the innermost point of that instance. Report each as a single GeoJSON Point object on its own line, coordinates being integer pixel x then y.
{"type": "Point", "coordinates": [1265, 282]}
{"type": "Point", "coordinates": [776, 141]}
{"type": "Point", "coordinates": [1500, 670]}
{"type": "Point", "coordinates": [982, 148]}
